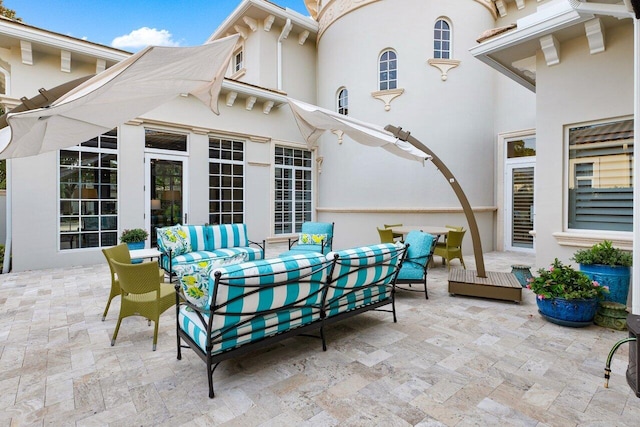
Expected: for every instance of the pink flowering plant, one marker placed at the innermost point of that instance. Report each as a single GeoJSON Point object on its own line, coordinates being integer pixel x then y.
{"type": "Point", "coordinates": [562, 281]}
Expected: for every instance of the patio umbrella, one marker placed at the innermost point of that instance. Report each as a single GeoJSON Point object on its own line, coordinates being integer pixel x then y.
{"type": "Point", "coordinates": [130, 88]}
{"type": "Point", "coordinates": [313, 121]}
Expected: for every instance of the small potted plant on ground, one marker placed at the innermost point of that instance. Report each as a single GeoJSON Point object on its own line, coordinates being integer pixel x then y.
{"type": "Point", "coordinates": [566, 296]}
{"type": "Point", "coordinates": [608, 266]}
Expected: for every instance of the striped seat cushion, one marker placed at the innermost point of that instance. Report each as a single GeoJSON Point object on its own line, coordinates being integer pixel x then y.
{"type": "Point", "coordinates": [362, 276]}
{"type": "Point", "coordinates": [260, 298]}
{"type": "Point", "coordinates": [255, 329]}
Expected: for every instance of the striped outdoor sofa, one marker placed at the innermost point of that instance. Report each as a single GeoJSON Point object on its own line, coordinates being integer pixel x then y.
{"type": "Point", "coordinates": [182, 244]}
{"type": "Point", "coordinates": [257, 303]}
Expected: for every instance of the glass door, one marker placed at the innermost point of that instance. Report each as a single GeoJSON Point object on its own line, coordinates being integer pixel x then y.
{"type": "Point", "coordinates": [165, 193]}
{"type": "Point", "coordinates": [520, 211]}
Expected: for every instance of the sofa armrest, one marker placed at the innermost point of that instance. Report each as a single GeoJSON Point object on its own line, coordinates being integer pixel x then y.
{"type": "Point", "coordinates": [262, 246]}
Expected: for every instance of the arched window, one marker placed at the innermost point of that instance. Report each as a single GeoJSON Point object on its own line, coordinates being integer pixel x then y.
{"type": "Point", "coordinates": [388, 66]}
{"type": "Point", "coordinates": [442, 39]}
{"type": "Point", "coordinates": [343, 101]}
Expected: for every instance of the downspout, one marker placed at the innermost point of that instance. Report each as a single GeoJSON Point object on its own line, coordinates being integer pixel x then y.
{"type": "Point", "coordinates": [283, 35]}
{"type": "Point", "coordinates": [635, 292]}
{"type": "Point", "coordinates": [7, 245]}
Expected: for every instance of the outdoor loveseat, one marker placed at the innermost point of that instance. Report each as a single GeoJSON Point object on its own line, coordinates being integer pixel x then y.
{"type": "Point", "coordinates": [224, 312]}
{"type": "Point", "coordinates": [183, 244]}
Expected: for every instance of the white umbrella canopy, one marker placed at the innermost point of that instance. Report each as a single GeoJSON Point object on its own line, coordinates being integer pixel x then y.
{"type": "Point", "coordinates": [130, 88]}
{"type": "Point", "coordinates": [313, 121]}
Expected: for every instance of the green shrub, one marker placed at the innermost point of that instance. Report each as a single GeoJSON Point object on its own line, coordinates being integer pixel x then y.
{"type": "Point", "coordinates": [134, 235]}
{"type": "Point", "coordinates": [603, 253]}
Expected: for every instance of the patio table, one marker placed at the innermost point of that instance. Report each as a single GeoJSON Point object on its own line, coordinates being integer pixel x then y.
{"type": "Point", "coordinates": [431, 229]}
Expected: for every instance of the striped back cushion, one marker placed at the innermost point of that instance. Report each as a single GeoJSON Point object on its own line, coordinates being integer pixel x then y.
{"type": "Point", "coordinates": [246, 293]}
{"type": "Point", "coordinates": [225, 236]}
{"type": "Point", "coordinates": [361, 276]}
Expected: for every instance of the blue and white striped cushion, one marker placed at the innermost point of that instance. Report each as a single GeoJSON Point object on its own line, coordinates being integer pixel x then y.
{"type": "Point", "coordinates": [195, 234]}
{"type": "Point", "coordinates": [239, 298]}
{"type": "Point", "coordinates": [257, 328]}
{"type": "Point", "coordinates": [226, 236]}
{"type": "Point", "coordinates": [358, 267]}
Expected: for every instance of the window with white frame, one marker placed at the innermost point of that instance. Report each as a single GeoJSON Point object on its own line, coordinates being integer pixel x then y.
{"type": "Point", "coordinates": [388, 70]}
{"type": "Point", "coordinates": [343, 101]}
{"type": "Point", "coordinates": [294, 189]}
{"type": "Point", "coordinates": [4, 82]}
{"type": "Point", "coordinates": [88, 212]}
{"type": "Point", "coordinates": [442, 39]}
{"type": "Point", "coordinates": [226, 181]}
{"type": "Point", "coordinates": [600, 175]}
{"type": "Point", "coordinates": [238, 61]}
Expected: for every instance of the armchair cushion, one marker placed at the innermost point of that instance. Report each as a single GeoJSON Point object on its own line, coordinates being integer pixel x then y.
{"type": "Point", "coordinates": [173, 239]}
{"type": "Point", "coordinates": [414, 265]}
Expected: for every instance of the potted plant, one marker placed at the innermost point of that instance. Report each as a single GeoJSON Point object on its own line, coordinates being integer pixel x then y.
{"type": "Point", "coordinates": [566, 296]}
{"type": "Point", "coordinates": [134, 238]}
{"type": "Point", "coordinates": [608, 266]}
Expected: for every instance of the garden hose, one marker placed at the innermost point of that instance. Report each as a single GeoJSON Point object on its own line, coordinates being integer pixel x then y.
{"type": "Point", "coordinates": [607, 369]}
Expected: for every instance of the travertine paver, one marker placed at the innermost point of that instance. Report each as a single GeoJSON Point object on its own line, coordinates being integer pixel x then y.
{"type": "Point", "coordinates": [448, 361]}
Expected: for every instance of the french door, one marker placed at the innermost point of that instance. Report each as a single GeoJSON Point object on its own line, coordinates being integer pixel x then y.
{"type": "Point", "coordinates": [165, 192]}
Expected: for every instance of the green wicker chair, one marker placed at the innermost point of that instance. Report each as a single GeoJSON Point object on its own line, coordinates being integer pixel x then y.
{"type": "Point", "coordinates": [121, 254]}
{"type": "Point", "coordinates": [386, 236]}
{"type": "Point", "coordinates": [142, 294]}
{"type": "Point", "coordinates": [398, 236]}
{"type": "Point", "coordinates": [452, 248]}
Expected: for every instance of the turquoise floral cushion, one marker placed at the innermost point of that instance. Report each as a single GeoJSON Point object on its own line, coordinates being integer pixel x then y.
{"type": "Point", "coordinates": [194, 277]}
{"type": "Point", "coordinates": [175, 239]}
{"type": "Point", "coordinates": [311, 239]}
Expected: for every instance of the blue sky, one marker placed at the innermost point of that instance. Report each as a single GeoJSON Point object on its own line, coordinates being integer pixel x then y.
{"type": "Point", "coordinates": [132, 24]}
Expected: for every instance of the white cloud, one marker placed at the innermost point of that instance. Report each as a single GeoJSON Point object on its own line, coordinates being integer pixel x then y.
{"type": "Point", "coordinates": [143, 37]}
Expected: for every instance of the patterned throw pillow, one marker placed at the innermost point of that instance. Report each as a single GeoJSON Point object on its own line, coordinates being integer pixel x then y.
{"type": "Point", "coordinates": [194, 277]}
{"type": "Point", "coordinates": [174, 239]}
{"type": "Point", "coordinates": [311, 239]}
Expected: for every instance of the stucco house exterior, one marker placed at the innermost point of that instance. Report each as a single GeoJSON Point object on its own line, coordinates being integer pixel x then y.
{"type": "Point", "coordinates": [521, 115]}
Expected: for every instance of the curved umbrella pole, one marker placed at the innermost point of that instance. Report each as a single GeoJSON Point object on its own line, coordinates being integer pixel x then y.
{"type": "Point", "coordinates": [466, 207]}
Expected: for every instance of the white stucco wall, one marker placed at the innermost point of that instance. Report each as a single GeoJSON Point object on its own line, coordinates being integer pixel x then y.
{"type": "Point", "coordinates": [455, 118]}
{"type": "Point", "coordinates": [581, 88]}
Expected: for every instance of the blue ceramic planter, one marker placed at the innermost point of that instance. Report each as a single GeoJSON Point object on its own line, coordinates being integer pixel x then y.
{"type": "Point", "coordinates": [133, 246]}
{"type": "Point", "coordinates": [568, 312]}
{"type": "Point", "coordinates": [616, 278]}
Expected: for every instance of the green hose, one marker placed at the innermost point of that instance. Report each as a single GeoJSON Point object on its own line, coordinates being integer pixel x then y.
{"type": "Point", "coordinates": [607, 369]}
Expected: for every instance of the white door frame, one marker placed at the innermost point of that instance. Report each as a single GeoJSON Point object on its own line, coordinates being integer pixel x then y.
{"type": "Point", "coordinates": [501, 161]}
{"type": "Point", "coordinates": [154, 154]}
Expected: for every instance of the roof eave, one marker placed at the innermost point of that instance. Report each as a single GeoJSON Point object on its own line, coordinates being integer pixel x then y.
{"type": "Point", "coordinates": [547, 20]}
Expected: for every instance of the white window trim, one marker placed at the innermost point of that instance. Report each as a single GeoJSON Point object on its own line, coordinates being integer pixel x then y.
{"type": "Point", "coordinates": [315, 161]}
{"type": "Point", "coordinates": [79, 148]}
{"type": "Point", "coordinates": [580, 237]}
{"type": "Point", "coordinates": [243, 162]}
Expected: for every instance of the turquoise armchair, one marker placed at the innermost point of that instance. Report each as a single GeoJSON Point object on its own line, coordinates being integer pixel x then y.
{"type": "Point", "coordinates": [314, 237]}
{"type": "Point", "coordinates": [419, 254]}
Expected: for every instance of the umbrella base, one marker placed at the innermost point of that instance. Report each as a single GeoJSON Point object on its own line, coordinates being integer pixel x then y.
{"type": "Point", "coordinates": [501, 286]}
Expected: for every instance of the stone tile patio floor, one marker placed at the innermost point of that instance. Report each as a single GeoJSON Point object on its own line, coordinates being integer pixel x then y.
{"type": "Point", "coordinates": [452, 361]}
